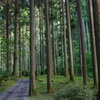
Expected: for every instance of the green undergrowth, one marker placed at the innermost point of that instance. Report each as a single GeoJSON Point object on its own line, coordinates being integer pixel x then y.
{"type": "Point", "coordinates": [6, 84]}
{"type": "Point", "coordinates": [59, 82]}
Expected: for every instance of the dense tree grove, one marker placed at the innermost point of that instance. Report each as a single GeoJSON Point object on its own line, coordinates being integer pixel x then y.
{"type": "Point", "coordinates": [51, 37]}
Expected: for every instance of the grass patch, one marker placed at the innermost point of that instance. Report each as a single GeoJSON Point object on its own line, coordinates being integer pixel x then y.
{"type": "Point", "coordinates": [5, 85]}
{"type": "Point", "coordinates": [59, 82]}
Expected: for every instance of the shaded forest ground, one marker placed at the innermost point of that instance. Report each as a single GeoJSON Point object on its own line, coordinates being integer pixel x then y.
{"type": "Point", "coordinates": [58, 83]}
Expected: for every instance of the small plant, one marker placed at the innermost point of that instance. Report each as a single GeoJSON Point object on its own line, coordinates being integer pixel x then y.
{"type": "Point", "coordinates": [74, 92]}
{"type": "Point", "coordinates": [26, 73]}
{"type": "Point", "coordinates": [6, 73]}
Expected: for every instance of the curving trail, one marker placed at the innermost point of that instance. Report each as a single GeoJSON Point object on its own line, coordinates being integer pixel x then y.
{"type": "Point", "coordinates": [17, 92]}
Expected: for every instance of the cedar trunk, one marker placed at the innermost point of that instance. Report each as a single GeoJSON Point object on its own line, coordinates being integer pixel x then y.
{"type": "Point", "coordinates": [65, 45]}
{"type": "Point", "coordinates": [96, 11]}
{"type": "Point", "coordinates": [79, 12]}
{"type": "Point", "coordinates": [70, 41]}
{"type": "Point", "coordinates": [93, 44]}
{"type": "Point", "coordinates": [7, 34]}
{"type": "Point", "coordinates": [15, 69]}
{"type": "Point", "coordinates": [32, 86]}
{"type": "Point", "coordinates": [49, 53]}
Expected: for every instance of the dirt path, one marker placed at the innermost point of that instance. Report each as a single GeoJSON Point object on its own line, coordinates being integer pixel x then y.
{"type": "Point", "coordinates": [18, 92]}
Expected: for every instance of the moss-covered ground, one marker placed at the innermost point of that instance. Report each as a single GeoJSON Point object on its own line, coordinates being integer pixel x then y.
{"type": "Point", "coordinates": [7, 83]}
{"type": "Point", "coordinates": [59, 82]}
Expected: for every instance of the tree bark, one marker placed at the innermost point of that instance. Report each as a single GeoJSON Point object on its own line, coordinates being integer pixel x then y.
{"type": "Point", "coordinates": [96, 13]}
{"type": "Point", "coordinates": [93, 44]}
{"type": "Point", "coordinates": [15, 68]}
{"type": "Point", "coordinates": [70, 41]}
{"type": "Point", "coordinates": [65, 47]}
{"type": "Point", "coordinates": [32, 86]}
{"type": "Point", "coordinates": [49, 56]}
{"type": "Point", "coordinates": [79, 12]}
{"type": "Point", "coordinates": [7, 34]}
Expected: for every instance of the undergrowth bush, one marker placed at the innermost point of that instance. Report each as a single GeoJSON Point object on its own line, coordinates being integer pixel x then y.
{"type": "Point", "coordinates": [4, 74]}
{"type": "Point", "coordinates": [74, 92]}
{"type": "Point", "coordinates": [26, 73]}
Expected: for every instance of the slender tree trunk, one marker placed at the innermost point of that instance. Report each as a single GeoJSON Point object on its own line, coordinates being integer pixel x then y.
{"type": "Point", "coordinates": [93, 44]}
{"type": "Point", "coordinates": [88, 37]}
{"type": "Point", "coordinates": [80, 49]}
{"type": "Point", "coordinates": [15, 68]}
{"type": "Point", "coordinates": [65, 45]}
{"type": "Point", "coordinates": [40, 33]}
{"type": "Point", "coordinates": [49, 56]}
{"type": "Point", "coordinates": [7, 35]}
{"type": "Point", "coordinates": [70, 41]}
{"type": "Point", "coordinates": [56, 44]}
{"type": "Point", "coordinates": [43, 49]}
{"type": "Point", "coordinates": [62, 50]}
{"type": "Point", "coordinates": [20, 52]}
{"type": "Point", "coordinates": [96, 11]}
{"type": "Point", "coordinates": [85, 35]}
{"type": "Point", "coordinates": [32, 86]}
{"type": "Point", "coordinates": [85, 78]}
{"type": "Point", "coordinates": [54, 48]}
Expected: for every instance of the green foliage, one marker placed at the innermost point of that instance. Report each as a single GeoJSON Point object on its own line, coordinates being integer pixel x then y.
{"type": "Point", "coordinates": [4, 74]}
{"type": "Point", "coordinates": [26, 73]}
{"type": "Point", "coordinates": [74, 92]}
{"type": "Point", "coordinates": [89, 63]}
{"type": "Point", "coordinates": [77, 69]}
{"type": "Point", "coordinates": [60, 69]}
{"type": "Point", "coordinates": [6, 85]}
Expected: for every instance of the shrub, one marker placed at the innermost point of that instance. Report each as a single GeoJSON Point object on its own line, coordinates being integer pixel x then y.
{"type": "Point", "coordinates": [74, 92]}
{"type": "Point", "coordinates": [6, 73]}
{"type": "Point", "coordinates": [89, 63]}
{"type": "Point", "coordinates": [60, 71]}
{"type": "Point", "coordinates": [26, 73]}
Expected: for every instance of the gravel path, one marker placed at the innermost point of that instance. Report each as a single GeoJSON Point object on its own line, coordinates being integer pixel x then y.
{"type": "Point", "coordinates": [17, 92]}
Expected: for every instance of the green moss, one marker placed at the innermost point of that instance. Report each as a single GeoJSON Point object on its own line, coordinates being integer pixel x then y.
{"type": "Point", "coordinates": [58, 82]}
{"type": "Point", "coordinates": [5, 85]}
{"type": "Point", "coordinates": [40, 80]}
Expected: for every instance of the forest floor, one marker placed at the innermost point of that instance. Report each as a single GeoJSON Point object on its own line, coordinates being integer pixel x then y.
{"type": "Point", "coordinates": [19, 91]}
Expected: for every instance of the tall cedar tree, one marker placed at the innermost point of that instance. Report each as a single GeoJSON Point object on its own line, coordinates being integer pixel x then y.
{"type": "Point", "coordinates": [49, 56]}
{"type": "Point", "coordinates": [93, 44]}
{"type": "Point", "coordinates": [7, 33]}
{"type": "Point", "coordinates": [96, 11]}
{"type": "Point", "coordinates": [65, 46]}
{"type": "Point", "coordinates": [70, 41]}
{"type": "Point", "coordinates": [15, 69]}
{"type": "Point", "coordinates": [32, 86]}
{"type": "Point", "coordinates": [79, 12]}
